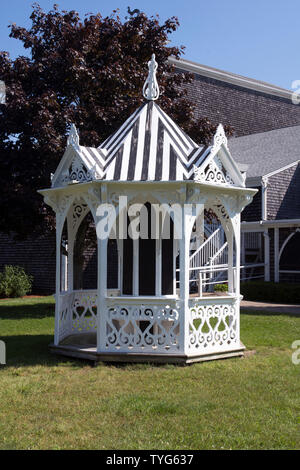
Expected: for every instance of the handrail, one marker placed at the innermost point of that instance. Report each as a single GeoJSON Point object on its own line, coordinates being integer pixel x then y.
{"type": "Point", "coordinates": [218, 252]}
{"type": "Point", "coordinates": [201, 247]}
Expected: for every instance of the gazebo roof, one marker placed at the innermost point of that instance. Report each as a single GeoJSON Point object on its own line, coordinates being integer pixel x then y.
{"type": "Point", "coordinates": [149, 146]}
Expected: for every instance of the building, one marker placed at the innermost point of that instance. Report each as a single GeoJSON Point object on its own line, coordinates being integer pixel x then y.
{"type": "Point", "coordinates": [254, 109]}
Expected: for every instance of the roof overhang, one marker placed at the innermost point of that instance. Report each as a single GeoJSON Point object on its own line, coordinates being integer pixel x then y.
{"type": "Point", "coordinates": [228, 77]}
{"type": "Point", "coordinates": [158, 185]}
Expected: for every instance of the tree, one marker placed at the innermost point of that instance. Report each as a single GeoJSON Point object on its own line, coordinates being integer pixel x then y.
{"type": "Point", "coordinates": [89, 72]}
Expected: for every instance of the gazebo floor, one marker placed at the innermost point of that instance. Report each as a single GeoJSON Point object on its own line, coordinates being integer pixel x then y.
{"type": "Point", "coordinates": [83, 346]}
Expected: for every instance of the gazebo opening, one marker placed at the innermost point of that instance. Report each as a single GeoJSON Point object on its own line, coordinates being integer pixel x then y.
{"type": "Point", "coordinates": [148, 261]}
{"type": "Point", "coordinates": [213, 260]}
{"type": "Point", "coordinates": [85, 255]}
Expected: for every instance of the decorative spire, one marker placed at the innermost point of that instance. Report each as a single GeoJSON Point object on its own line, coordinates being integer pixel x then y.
{"type": "Point", "coordinates": [220, 137]}
{"type": "Point", "coordinates": [73, 138]}
{"type": "Point", "coordinates": [150, 88]}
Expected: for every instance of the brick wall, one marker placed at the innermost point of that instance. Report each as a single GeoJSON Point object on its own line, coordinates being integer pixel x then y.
{"type": "Point", "coordinates": [283, 194]}
{"type": "Point", "coordinates": [36, 256]}
{"type": "Point", "coordinates": [248, 111]}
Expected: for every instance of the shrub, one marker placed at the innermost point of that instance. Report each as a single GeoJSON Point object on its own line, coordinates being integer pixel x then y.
{"type": "Point", "coordinates": [14, 282]}
{"type": "Point", "coordinates": [221, 288]}
{"type": "Point", "coordinates": [271, 292]}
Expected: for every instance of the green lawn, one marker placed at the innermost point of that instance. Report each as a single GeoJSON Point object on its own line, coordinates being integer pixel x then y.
{"type": "Point", "coordinates": [50, 403]}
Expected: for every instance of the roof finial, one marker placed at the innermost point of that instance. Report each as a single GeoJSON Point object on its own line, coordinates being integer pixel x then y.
{"type": "Point", "coordinates": [73, 138]}
{"type": "Point", "coordinates": [220, 137]}
{"type": "Point", "coordinates": [150, 88]}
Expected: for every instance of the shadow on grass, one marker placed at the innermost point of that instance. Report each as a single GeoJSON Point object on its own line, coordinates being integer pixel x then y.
{"type": "Point", "coordinates": [270, 311]}
{"type": "Point", "coordinates": [32, 350]}
{"type": "Point", "coordinates": [36, 310]}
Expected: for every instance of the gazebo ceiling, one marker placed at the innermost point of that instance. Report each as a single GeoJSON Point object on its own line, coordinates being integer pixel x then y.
{"type": "Point", "coordinates": [149, 146]}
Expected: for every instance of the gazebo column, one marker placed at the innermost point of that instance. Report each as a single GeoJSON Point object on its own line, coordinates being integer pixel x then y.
{"type": "Point", "coordinates": [58, 278]}
{"type": "Point", "coordinates": [102, 294]}
{"type": "Point", "coordinates": [184, 264]}
{"type": "Point", "coordinates": [237, 236]}
{"type": "Point", "coordinates": [230, 241]}
{"type": "Point", "coordinates": [71, 242]}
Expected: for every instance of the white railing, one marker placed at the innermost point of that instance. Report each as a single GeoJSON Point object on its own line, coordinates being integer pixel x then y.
{"type": "Point", "coordinates": [221, 256]}
{"type": "Point", "coordinates": [213, 325]}
{"type": "Point", "coordinates": [208, 249]}
{"type": "Point", "coordinates": [77, 313]}
{"type": "Point", "coordinates": [137, 325]}
{"type": "Point", "coordinates": [142, 324]}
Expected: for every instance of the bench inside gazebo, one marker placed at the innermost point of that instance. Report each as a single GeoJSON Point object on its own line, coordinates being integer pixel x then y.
{"type": "Point", "coordinates": [161, 306]}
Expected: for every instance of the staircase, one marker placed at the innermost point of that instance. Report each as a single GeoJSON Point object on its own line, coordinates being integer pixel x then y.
{"type": "Point", "coordinates": [210, 259]}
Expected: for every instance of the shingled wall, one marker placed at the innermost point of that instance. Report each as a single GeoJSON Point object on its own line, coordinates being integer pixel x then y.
{"type": "Point", "coordinates": [283, 194]}
{"type": "Point", "coordinates": [247, 111]}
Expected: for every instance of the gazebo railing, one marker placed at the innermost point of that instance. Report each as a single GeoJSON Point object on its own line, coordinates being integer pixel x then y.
{"type": "Point", "coordinates": [153, 324]}
{"type": "Point", "coordinates": [213, 325]}
{"type": "Point", "coordinates": [142, 324]}
{"type": "Point", "coordinates": [77, 313]}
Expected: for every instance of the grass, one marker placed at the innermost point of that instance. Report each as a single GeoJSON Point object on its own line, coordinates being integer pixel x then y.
{"type": "Point", "coordinates": [47, 402]}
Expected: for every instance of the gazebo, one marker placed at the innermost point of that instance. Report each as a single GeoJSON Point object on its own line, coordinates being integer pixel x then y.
{"type": "Point", "coordinates": [160, 307]}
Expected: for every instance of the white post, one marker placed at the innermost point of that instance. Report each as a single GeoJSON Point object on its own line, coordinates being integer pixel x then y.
{"type": "Point", "coordinates": [276, 254]}
{"type": "Point", "coordinates": [230, 241]}
{"type": "Point", "coordinates": [211, 286]}
{"type": "Point", "coordinates": [158, 259]}
{"type": "Point", "coordinates": [267, 255]}
{"type": "Point", "coordinates": [264, 185]}
{"type": "Point", "coordinates": [101, 283]}
{"type": "Point", "coordinates": [64, 269]}
{"type": "Point", "coordinates": [102, 294]}
{"type": "Point", "coordinates": [200, 286]}
{"type": "Point", "coordinates": [135, 270]}
{"type": "Point", "coordinates": [120, 265]}
{"type": "Point", "coordinates": [71, 242]}
{"type": "Point", "coordinates": [237, 257]}
{"type": "Point", "coordinates": [184, 262]}
{"type": "Point", "coordinates": [58, 281]}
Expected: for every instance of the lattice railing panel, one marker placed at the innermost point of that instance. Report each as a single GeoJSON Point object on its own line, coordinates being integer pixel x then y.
{"type": "Point", "coordinates": [213, 327]}
{"type": "Point", "coordinates": [142, 327]}
{"type": "Point", "coordinates": [84, 312]}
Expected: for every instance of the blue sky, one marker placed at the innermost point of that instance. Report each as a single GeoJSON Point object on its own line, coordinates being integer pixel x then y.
{"type": "Point", "coordinates": [258, 39]}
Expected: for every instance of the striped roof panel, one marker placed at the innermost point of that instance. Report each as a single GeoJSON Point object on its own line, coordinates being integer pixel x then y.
{"type": "Point", "coordinates": [149, 146]}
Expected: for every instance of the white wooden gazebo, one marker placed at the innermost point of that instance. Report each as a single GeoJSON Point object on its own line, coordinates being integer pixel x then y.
{"type": "Point", "coordinates": [152, 314]}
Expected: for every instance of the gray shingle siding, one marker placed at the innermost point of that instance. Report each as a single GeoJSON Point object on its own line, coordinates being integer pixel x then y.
{"type": "Point", "coordinates": [283, 194]}
{"type": "Point", "coordinates": [248, 111]}
{"type": "Point", "coordinates": [252, 212]}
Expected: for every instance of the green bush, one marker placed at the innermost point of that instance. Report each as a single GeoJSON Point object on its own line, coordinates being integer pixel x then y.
{"type": "Point", "coordinates": [282, 293]}
{"type": "Point", "coordinates": [221, 288]}
{"type": "Point", "coordinates": [14, 282]}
